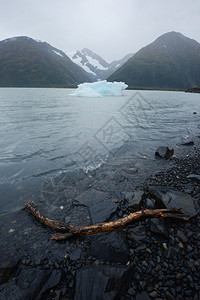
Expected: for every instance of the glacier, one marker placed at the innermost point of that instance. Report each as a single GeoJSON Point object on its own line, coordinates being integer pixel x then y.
{"type": "Point", "coordinates": [100, 89]}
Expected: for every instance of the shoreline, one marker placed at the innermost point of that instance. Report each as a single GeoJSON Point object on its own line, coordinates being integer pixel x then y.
{"type": "Point", "coordinates": [152, 259]}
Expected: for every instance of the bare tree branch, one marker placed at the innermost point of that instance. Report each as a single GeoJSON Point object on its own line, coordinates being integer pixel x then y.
{"type": "Point", "coordinates": [71, 230]}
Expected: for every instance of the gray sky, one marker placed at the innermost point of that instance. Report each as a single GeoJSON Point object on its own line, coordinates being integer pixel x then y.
{"type": "Point", "coordinates": [111, 28]}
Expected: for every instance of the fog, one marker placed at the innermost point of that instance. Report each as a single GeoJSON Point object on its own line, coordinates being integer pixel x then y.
{"type": "Point", "coordinates": [111, 28]}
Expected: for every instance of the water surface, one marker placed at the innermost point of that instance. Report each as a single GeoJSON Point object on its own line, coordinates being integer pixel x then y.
{"type": "Point", "coordinates": [44, 132]}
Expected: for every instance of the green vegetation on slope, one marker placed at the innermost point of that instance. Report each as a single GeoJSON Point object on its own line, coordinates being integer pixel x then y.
{"type": "Point", "coordinates": [170, 62]}
{"type": "Point", "coordinates": [25, 62]}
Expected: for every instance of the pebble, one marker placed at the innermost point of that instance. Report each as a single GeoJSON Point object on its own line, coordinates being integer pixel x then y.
{"type": "Point", "coordinates": [182, 236]}
{"type": "Point", "coordinates": [179, 276]}
{"type": "Point", "coordinates": [153, 294]}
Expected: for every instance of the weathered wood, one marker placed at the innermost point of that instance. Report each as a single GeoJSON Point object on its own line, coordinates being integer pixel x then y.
{"type": "Point", "coordinates": [70, 230]}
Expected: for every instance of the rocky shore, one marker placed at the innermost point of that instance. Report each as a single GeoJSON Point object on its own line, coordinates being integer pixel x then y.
{"type": "Point", "coordinates": [152, 259]}
{"type": "Point", "coordinates": [194, 90]}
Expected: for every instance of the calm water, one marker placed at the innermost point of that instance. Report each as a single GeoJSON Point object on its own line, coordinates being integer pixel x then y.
{"type": "Point", "coordinates": [44, 132]}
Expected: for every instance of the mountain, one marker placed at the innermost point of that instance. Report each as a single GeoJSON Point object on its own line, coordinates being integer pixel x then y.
{"type": "Point", "coordinates": [171, 61]}
{"type": "Point", "coordinates": [95, 65]}
{"type": "Point", "coordinates": [25, 62]}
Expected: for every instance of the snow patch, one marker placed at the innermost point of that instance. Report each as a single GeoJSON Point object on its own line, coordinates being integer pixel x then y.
{"type": "Point", "coordinates": [100, 89]}
{"type": "Point", "coordinates": [39, 41]}
{"type": "Point", "coordinates": [56, 52]}
{"type": "Point", "coordinates": [78, 62]}
{"type": "Point", "coordinates": [95, 63]}
{"type": "Point", "coordinates": [10, 40]}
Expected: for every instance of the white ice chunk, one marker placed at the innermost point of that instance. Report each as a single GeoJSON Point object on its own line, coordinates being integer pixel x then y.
{"type": "Point", "coordinates": [100, 89]}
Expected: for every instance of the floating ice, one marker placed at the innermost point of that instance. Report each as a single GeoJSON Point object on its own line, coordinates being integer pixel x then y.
{"type": "Point", "coordinates": [100, 89]}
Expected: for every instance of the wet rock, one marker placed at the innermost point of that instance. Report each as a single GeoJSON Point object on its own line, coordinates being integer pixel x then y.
{"type": "Point", "coordinates": [7, 267]}
{"type": "Point", "coordinates": [78, 215]}
{"type": "Point", "coordinates": [195, 89]}
{"type": "Point", "coordinates": [191, 143]}
{"type": "Point", "coordinates": [98, 203]}
{"type": "Point", "coordinates": [169, 198]}
{"type": "Point", "coordinates": [137, 233]}
{"type": "Point", "coordinates": [101, 282]}
{"type": "Point", "coordinates": [150, 204]}
{"type": "Point", "coordinates": [132, 170]}
{"type": "Point", "coordinates": [164, 152]}
{"type": "Point", "coordinates": [158, 226]}
{"type": "Point", "coordinates": [110, 247]}
{"type": "Point", "coordinates": [134, 202]}
{"type": "Point", "coordinates": [194, 177]}
{"type": "Point", "coordinates": [31, 284]}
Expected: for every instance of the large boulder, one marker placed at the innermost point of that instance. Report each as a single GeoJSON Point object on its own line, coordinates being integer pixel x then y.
{"type": "Point", "coordinates": [134, 199]}
{"type": "Point", "coordinates": [100, 206]}
{"type": "Point", "coordinates": [167, 197]}
{"type": "Point", "coordinates": [105, 282]}
{"type": "Point", "coordinates": [30, 283]}
{"type": "Point", "coordinates": [110, 247]}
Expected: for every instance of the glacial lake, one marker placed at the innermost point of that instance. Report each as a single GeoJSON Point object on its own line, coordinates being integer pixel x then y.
{"type": "Point", "coordinates": [47, 132]}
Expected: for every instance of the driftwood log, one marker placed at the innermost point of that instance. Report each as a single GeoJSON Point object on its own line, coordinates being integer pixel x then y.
{"type": "Point", "coordinates": [66, 230]}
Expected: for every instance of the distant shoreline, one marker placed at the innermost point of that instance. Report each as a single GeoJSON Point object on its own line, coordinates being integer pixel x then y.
{"type": "Point", "coordinates": [74, 87]}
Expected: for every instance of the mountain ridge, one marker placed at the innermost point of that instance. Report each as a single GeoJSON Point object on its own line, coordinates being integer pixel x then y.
{"type": "Point", "coordinates": [171, 61]}
{"type": "Point", "coordinates": [94, 64]}
{"type": "Point", "coordinates": [25, 62]}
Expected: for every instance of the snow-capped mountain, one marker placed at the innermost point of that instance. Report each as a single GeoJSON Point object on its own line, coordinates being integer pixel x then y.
{"type": "Point", "coordinates": [95, 65]}
{"type": "Point", "coordinates": [25, 62]}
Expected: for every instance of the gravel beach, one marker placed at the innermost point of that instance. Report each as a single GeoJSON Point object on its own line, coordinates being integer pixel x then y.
{"type": "Point", "coordinates": [152, 259]}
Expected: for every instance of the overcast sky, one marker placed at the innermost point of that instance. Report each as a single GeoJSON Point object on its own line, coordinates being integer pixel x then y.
{"type": "Point", "coordinates": [111, 28]}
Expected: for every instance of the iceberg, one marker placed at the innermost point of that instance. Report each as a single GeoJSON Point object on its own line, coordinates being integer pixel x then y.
{"type": "Point", "coordinates": [100, 89]}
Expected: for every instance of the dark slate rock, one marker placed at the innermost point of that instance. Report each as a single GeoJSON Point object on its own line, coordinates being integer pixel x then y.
{"type": "Point", "coordinates": [158, 226]}
{"type": "Point", "coordinates": [103, 282]}
{"type": "Point", "coordinates": [150, 204]}
{"type": "Point", "coordinates": [75, 255]}
{"type": "Point", "coordinates": [78, 215]}
{"type": "Point", "coordinates": [31, 284]}
{"type": "Point", "coordinates": [141, 247]}
{"type": "Point", "coordinates": [7, 267]}
{"type": "Point", "coordinates": [128, 196]}
{"type": "Point", "coordinates": [194, 177]}
{"type": "Point", "coordinates": [190, 143]}
{"type": "Point", "coordinates": [170, 253]}
{"type": "Point", "coordinates": [110, 247]}
{"type": "Point", "coordinates": [164, 152]}
{"type": "Point", "coordinates": [134, 202]}
{"type": "Point", "coordinates": [142, 296]}
{"type": "Point", "coordinates": [181, 236]}
{"type": "Point", "coordinates": [169, 198]}
{"type": "Point", "coordinates": [153, 294]}
{"type": "Point", "coordinates": [131, 170]}
{"type": "Point", "coordinates": [100, 206]}
{"type": "Point", "coordinates": [195, 89]}
{"type": "Point", "coordinates": [137, 233]}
